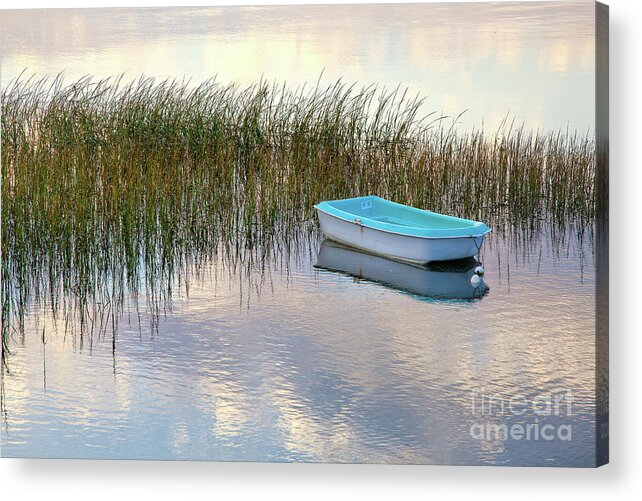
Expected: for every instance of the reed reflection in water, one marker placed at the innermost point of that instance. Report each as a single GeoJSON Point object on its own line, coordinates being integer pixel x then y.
{"type": "Point", "coordinates": [278, 360]}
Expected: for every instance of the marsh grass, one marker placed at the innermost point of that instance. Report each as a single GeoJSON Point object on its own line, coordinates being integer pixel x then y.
{"type": "Point", "coordinates": [110, 186]}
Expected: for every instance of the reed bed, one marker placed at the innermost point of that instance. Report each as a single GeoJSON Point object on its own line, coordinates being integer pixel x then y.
{"type": "Point", "coordinates": [108, 186]}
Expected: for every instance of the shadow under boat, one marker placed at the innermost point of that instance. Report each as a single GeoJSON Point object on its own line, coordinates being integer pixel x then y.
{"type": "Point", "coordinates": [438, 280]}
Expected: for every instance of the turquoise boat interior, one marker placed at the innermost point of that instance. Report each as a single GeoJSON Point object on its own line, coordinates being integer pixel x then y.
{"type": "Point", "coordinates": [378, 213]}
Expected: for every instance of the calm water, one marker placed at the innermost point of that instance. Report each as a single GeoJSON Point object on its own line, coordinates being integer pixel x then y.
{"type": "Point", "coordinates": [534, 62]}
{"type": "Point", "coordinates": [297, 362]}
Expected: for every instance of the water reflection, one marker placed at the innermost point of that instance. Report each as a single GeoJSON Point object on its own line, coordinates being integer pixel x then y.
{"type": "Point", "coordinates": [534, 60]}
{"type": "Point", "coordinates": [279, 360]}
{"type": "Point", "coordinates": [242, 276]}
{"type": "Point", "coordinates": [451, 280]}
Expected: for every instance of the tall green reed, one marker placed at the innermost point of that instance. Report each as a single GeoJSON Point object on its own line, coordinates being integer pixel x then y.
{"type": "Point", "coordinates": [110, 186]}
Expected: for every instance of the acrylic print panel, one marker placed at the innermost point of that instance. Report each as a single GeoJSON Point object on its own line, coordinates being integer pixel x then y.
{"type": "Point", "coordinates": [168, 290]}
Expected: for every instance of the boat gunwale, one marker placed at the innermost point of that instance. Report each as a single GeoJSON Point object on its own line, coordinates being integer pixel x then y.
{"type": "Point", "coordinates": [361, 222]}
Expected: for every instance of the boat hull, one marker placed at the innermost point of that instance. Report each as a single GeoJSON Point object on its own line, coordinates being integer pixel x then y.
{"type": "Point", "coordinates": [413, 249]}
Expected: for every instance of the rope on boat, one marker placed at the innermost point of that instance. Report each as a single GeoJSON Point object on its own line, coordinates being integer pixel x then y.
{"type": "Point", "coordinates": [477, 246]}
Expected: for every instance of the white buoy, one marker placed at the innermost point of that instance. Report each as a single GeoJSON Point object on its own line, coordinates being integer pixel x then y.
{"type": "Point", "coordinates": [479, 271]}
{"type": "Point", "coordinates": [475, 280]}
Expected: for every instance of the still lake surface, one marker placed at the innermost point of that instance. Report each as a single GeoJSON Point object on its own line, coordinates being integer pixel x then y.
{"type": "Point", "coordinates": [319, 355]}
{"type": "Point", "coordinates": [532, 61]}
{"type": "Point", "coordinates": [310, 357]}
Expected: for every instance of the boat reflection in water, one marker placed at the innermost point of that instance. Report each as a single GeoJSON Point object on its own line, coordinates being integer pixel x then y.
{"type": "Point", "coordinates": [437, 280]}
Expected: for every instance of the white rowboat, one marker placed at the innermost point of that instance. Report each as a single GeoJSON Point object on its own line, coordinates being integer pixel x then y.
{"type": "Point", "coordinates": [398, 231]}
